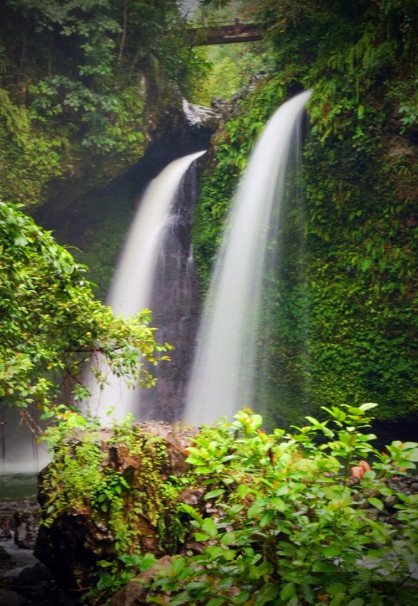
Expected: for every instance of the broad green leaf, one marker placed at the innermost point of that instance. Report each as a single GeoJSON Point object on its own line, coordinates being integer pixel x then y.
{"type": "Point", "coordinates": [376, 503]}
{"type": "Point", "coordinates": [214, 493]}
{"type": "Point", "coordinates": [209, 527]}
{"type": "Point", "coordinates": [288, 591]}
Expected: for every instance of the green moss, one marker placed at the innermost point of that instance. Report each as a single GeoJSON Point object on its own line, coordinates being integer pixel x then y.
{"type": "Point", "coordinates": [118, 477]}
{"type": "Point", "coordinates": [344, 322]}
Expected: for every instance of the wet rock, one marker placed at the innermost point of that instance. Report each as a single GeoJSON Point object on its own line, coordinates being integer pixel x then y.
{"type": "Point", "coordinates": [72, 547]}
{"type": "Point", "coordinates": [26, 527]}
{"type": "Point", "coordinates": [77, 540]}
{"type": "Point", "coordinates": [6, 525]}
{"type": "Point", "coordinates": [193, 496]}
{"type": "Point", "coordinates": [200, 115]}
{"type": "Point", "coordinates": [34, 586]}
{"type": "Point", "coordinates": [6, 560]}
{"type": "Point", "coordinates": [19, 521]}
{"type": "Point", "coordinates": [34, 575]}
{"type": "Point", "coordinates": [134, 593]}
{"type": "Point", "coordinates": [11, 598]}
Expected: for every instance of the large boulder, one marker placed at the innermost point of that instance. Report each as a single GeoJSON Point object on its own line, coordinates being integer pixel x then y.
{"type": "Point", "coordinates": [74, 538]}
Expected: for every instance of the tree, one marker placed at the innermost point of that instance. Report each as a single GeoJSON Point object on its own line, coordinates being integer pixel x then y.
{"type": "Point", "coordinates": [52, 326]}
{"type": "Point", "coordinates": [76, 81]}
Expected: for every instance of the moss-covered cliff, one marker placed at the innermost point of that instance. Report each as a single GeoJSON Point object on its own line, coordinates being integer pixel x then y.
{"type": "Point", "coordinates": [344, 315]}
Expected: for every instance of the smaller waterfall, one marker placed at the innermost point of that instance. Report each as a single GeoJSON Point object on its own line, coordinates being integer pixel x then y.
{"type": "Point", "coordinates": [20, 451]}
{"type": "Point", "coordinates": [175, 307]}
{"type": "Point", "coordinates": [132, 286]}
{"type": "Point", "coordinates": [224, 368]}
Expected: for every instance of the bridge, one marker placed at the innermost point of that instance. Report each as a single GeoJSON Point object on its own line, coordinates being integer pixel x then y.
{"type": "Point", "coordinates": [226, 34]}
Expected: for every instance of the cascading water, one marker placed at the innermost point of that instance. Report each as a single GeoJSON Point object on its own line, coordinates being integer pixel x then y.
{"type": "Point", "coordinates": [223, 373]}
{"type": "Point", "coordinates": [132, 286]}
{"type": "Point", "coordinates": [20, 451]}
{"type": "Point", "coordinates": [175, 307]}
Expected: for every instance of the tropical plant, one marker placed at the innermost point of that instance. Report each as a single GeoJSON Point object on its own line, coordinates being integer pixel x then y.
{"type": "Point", "coordinates": [313, 516]}
{"type": "Point", "coordinates": [291, 524]}
{"type": "Point", "coordinates": [52, 326]}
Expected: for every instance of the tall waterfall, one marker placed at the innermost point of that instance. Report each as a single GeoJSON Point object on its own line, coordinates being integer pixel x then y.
{"type": "Point", "coordinates": [132, 286]}
{"type": "Point", "coordinates": [223, 373]}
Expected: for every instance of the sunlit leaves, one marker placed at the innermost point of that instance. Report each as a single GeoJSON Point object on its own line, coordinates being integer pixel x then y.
{"type": "Point", "coordinates": [285, 537]}
{"type": "Point", "coordinates": [51, 324]}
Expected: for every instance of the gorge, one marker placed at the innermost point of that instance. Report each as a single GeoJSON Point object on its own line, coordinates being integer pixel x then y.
{"type": "Point", "coordinates": [307, 493]}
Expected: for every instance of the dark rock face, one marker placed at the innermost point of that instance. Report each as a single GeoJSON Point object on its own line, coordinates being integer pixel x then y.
{"type": "Point", "coordinates": [26, 526]}
{"type": "Point", "coordinates": [134, 593]}
{"type": "Point", "coordinates": [72, 547]}
{"type": "Point", "coordinates": [175, 305]}
{"type": "Point", "coordinates": [24, 581]}
{"type": "Point", "coordinates": [76, 219]}
{"type": "Point", "coordinates": [19, 522]}
{"type": "Point", "coordinates": [34, 586]}
{"type": "Point", "coordinates": [10, 598]}
{"type": "Point", "coordinates": [175, 302]}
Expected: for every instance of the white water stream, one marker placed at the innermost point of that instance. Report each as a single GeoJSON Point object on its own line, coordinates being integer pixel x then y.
{"type": "Point", "coordinates": [223, 373]}
{"type": "Point", "coordinates": [132, 285]}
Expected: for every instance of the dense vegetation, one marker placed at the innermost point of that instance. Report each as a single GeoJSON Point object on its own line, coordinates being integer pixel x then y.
{"type": "Point", "coordinates": [345, 311]}
{"type": "Point", "coordinates": [283, 518]}
{"type": "Point", "coordinates": [310, 517]}
{"type": "Point", "coordinates": [52, 327]}
{"type": "Point", "coordinates": [79, 85]}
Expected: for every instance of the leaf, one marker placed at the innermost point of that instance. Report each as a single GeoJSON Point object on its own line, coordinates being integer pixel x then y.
{"type": "Point", "coordinates": [178, 565]}
{"type": "Point", "coordinates": [182, 598]}
{"type": "Point", "coordinates": [20, 241]}
{"type": "Point", "coordinates": [200, 537]}
{"type": "Point", "coordinates": [412, 455]}
{"type": "Point", "coordinates": [147, 560]}
{"type": "Point", "coordinates": [366, 264]}
{"type": "Point", "coordinates": [214, 493]}
{"type": "Point", "coordinates": [376, 503]}
{"type": "Point", "coordinates": [288, 591]}
{"type": "Point", "coordinates": [331, 551]}
{"type": "Point", "coordinates": [209, 527]}
{"type": "Point", "coordinates": [243, 490]}
{"type": "Point", "coordinates": [319, 566]}
{"type": "Point", "coordinates": [368, 406]}
{"type": "Point", "coordinates": [278, 504]}
{"type": "Point", "coordinates": [191, 511]}
{"type": "Point", "coordinates": [266, 518]}
{"type": "Point", "coordinates": [242, 597]}
{"type": "Point", "coordinates": [338, 599]}
{"type": "Point", "coordinates": [229, 538]}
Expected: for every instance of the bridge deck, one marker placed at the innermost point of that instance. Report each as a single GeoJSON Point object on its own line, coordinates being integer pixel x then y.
{"type": "Point", "coordinates": [226, 34]}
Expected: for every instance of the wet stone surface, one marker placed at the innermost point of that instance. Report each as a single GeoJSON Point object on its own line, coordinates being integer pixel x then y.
{"type": "Point", "coordinates": [24, 581]}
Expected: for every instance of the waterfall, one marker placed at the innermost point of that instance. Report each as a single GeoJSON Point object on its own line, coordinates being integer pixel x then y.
{"type": "Point", "coordinates": [132, 286]}
{"type": "Point", "coordinates": [224, 367]}
{"type": "Point", "coordinates": [175, 307]}
{"type": "Point", "coordinates": [20, 452]}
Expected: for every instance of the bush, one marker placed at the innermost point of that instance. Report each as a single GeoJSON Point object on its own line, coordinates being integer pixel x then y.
{"type": "Point", "coordinates": [317, 516]}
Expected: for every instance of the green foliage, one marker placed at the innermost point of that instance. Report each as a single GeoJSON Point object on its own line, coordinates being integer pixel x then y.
{"type": "Point", "coordinates": [118, 478]}
{"type": "Point", "coordinates": [288, 523]}
{"type": "Point", "coordinates": [230, 68]}
{"type": "Point", "coordinates": [78, 81]}
{"type": "Point", "coordinates": [52, 326]}
{"type": "Point", "coordinates": [231, 148]}
{"type": "Point", "coordinates": [350, 298]}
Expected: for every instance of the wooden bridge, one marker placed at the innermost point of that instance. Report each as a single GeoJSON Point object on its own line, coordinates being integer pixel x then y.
{"type": "Point", "coordinates": [226, 34]}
